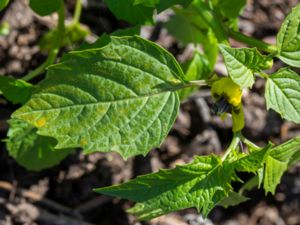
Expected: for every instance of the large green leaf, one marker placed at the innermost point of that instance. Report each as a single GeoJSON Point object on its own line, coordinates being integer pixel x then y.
{"type": "Point", "coordinates": [127, 10]}
{"type": "Point", "coordinates": [277, 163]}
{"type": "Point", "coordinates": [241, 63]}
{"type": "Point", "coordinates": [288, 38]}
{"type": "Point", "coordinates": [32, 151]}
{"type": "Point", "coordinates": [121, 97]}
{"type": "Point", "coordinates": [16, 91]}
{"type": "Point", "coordinates": [45, 7]}
{"type": "Point", "coordinates": [283, 94]}
{"type": "Point", "coordinates": [201, 184]}
{"type": "Point", "coordinates": [3, 4]}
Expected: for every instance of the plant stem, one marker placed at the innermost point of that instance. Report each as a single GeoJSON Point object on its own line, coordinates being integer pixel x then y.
{"type": "Point", "coordinates": [234, 143]}
{"type": "Point", "coordinates": [252, 41]}
{"type": "Point", "coordinates": [209, 18]}
{"type": "Point", "coordinates": [198, 83]}
{"type": "Point", "coordinates": [263, 75]}
{"type": "Point", "coordinates": [56, 45]}
{"type": "Point", "coordinates": [250, 144]}
{"type": "Point", "coordinates": [77, 13]}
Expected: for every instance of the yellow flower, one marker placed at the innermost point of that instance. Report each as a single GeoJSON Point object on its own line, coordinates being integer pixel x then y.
{"type": "Point", "coordinates": [228, 96]}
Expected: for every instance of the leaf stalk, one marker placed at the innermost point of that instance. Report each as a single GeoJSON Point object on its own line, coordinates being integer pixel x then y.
{"type": "Point", "coordinates": [252, 41]}
{"type": "Point", "coordinates": [56, 45]}
{"type": "Point", "coordinates": [234, 143]}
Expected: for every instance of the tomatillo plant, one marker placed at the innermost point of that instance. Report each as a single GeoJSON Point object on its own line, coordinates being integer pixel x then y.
{"type": "Point", "coordinates": [122, 94]}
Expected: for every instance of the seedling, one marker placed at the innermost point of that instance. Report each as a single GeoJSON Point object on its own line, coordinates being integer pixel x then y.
{"type": "Point", "coordinates": [122, 94]}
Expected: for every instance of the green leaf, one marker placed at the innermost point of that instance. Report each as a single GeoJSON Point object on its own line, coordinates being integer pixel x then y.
{"type": "Point", "coordinates": [73, 33]}
{"type": "Point", "coordinates": [241, 63]}
{"type": "Point", "coordinates": [277, 163]}
{"type": "Point", "coordinates": [16, 91]}
{"type": "Point", "coordinates": [231, 8]}
{"type": "Point", "coordinates": [232, 199]}
{"type": "Point", "coordinates": [32, 151]}
{"type": "Point", "coordinates": [127, 10]}
{"type": "Point", "coordinates": [252, 162]}
{"type": "Point", "coordinates": [45, 7]}
{"type": "Point", "coordinates": [201, 184]}
{"type": "Point", "coordinates": [121, 97]}
{"type": "Point", "coordinates": [181, 25]}
{"type": "Point", "coordinates": [283, 94]}
{"type": "Point", "coordinates": [195, 69]}
{"type": "Point", "coordinates": [147, 3]}
{"type": "Point", "coordinates": [288, 38]}
{"type": "Point", "coordinates": [164, 4]}
{"type": "Point", "coordinates": [130, 31]}
{"type": "Point", "coordinates": [294, 159]}
{"type": "Point", "coordinates": [3, 4]}
{"type": "Point", "coordinates": [161, 5]}
{"type": "Point", "coordinates": [104, 39]}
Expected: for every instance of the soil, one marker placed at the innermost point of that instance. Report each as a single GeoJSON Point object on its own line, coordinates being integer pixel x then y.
{"type": "Point", "coordinates": [63, 195]}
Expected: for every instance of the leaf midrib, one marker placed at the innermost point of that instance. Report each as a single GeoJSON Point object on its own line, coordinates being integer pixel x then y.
{"type": "Point", "coordinates": [173, 90]}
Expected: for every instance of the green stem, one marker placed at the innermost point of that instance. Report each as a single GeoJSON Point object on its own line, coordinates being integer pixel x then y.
{"type": "Point", "coordinates": [252, 41]}
{"type": "Point", "coordinates": [56, 45]}
{"type": "Point", "coordinates": [263, 75]}
{"type": "Point", "coordinates": [234, 143]}
{"type": "Point", "coordinates": [209, 18]}
{"type": "Point", "coordinates": [198, 83]}
{"type": "Point", "coordinates": [250, 144]}
{"type": "Point", "coordinates": [77, 13]}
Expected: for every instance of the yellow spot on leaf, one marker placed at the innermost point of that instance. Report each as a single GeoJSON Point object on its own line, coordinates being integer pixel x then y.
{"type": "Point", "coordinates": [83, 142]}
{"type": "Point", "coordinates": [40, 122]}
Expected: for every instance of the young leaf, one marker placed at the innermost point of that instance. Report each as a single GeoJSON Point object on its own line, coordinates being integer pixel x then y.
{"type": "Point", "coordinates": [252, 162]}
{"type": "Point", "coordinates": [201, 184]}
{"type": "Point", "coordinates": [121, 97]}
{"type": "Point", "coordinates": [288, 38]}
{"type": "Point", "coordinates": [45, 7]}
{"type": "Point", "coordinates": [242, 62]}
{"type": "Point", "coordinates": [277, 163]}
{"type": "Point", "coordinates": [195, 69]}
{"type": "Point", "coordinates": [16, 91]}
{"type": "Point", "coordinates": [232, 199]}
{"type": "Point", "coordinates": [3, 4]}
{"type": "Point", "coordinates": [73, 33]}
{"type": "Point", "coordinates": [31, 150]}
{"type": "Point", "coordinates": [283, 94]}
{"type": "Point", "coordinates": [127, 10]}
{"type": "Point", "coordinates": [231, 8]}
